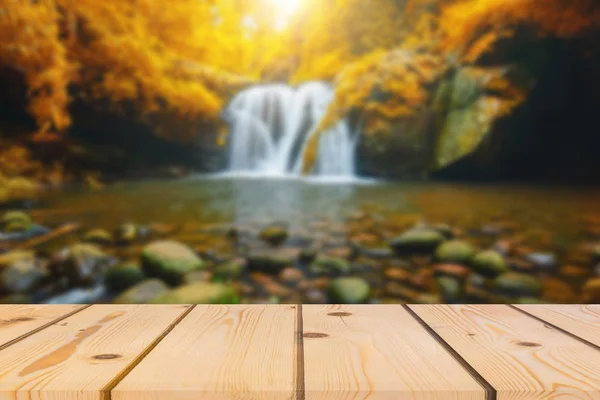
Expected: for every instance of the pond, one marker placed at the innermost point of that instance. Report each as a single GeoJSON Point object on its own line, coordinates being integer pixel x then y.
{"type": "Point", "coordinates": [546, 238]}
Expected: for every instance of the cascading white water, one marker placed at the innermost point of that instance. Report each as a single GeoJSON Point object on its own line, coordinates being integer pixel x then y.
{"type": "Point", "coordinates": [271, 125]}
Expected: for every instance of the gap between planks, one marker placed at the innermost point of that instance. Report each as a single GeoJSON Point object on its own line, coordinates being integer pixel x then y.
{"type": "Point", "coordinates": [107, 391]}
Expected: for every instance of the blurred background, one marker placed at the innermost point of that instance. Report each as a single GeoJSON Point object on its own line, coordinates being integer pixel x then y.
{"type": "Point", "coordinates": [299, 151]}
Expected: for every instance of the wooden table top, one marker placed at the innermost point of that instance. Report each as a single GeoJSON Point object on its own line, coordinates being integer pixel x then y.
{"type": "Point", "coordinates": [299, 352]}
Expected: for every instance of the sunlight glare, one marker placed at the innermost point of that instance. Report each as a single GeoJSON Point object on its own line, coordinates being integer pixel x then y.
{"type": "Point", "coordinates": [285, 10]}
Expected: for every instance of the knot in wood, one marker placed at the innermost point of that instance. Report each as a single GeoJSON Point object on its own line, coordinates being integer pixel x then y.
{"type": "Point", "coordinates": [339, 314]}
{"type": "Point", "coordinates": [528, 344]}
{"type": "Point", "coordinates": [315, 335]}
{"type": "Point", "coordinates": [107, 356]}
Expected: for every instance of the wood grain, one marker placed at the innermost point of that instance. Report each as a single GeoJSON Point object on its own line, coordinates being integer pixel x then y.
{"type": "Point", "coordinates": [580, 320]}
{"type": "Point", "coordinates": [84, 353]}
{"type": "Point", "coordinates": [220, 352]}
{"type": "Point", "coordinates": [519, 356]}
{"type": "Point", "coordinates": [378, 352]}
{"type": "Point", "coordinates": [17, 321]}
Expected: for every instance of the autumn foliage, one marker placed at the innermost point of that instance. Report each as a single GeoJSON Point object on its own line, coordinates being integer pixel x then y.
{"type": "Point", "coordinates": [186, 57]}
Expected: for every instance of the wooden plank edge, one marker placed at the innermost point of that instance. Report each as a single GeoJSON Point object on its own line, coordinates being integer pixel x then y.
{"type": "Point", "coordinates": [42, 327]}
{"type": "Point", "coordinates": [299, 339]}
{"type": "Point", "coordinates": [106, 392]}
{"type": "Point", "coordinates": [490, 391]}
{"type": "Point", "coordinates": [550, 325]}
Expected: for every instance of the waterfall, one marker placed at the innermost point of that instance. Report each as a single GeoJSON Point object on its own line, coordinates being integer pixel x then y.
{"type": "Point", "coordinates": [271, 125]}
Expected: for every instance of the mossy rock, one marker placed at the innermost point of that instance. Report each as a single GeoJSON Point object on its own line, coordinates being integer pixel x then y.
{"type": "Point", "coordinates": [330, 266]}
{"type": "Point", "coordinates": [268, 263]}
{"type": "Point", "coordinates": [455, 251]}
{"type": "Point", "coordinates": [516, 284]}
{"type": "Point", "coordinates": [169, 261]}
{"type": "Point", "coordinates": [126, 233]}
{"type": "Point", "coordinates": [591, 291]}
{"type": "Point", "coordinates": [16, 221]}
{"type": "Point", "coordinates": [142, 293]}
{"type": "Point", "coordinates": [275, 235]}
{"type": "Point", "coordinates": [98, 236]}
{"type": "Point", "coordinates": [229, 271]}
{"type": "Point", "coordinates": [417, 241]}
{"type": "Point", "coordinates": [449, 288]}
{"type": "Point", "coordinates": [21, 276]}
{"type": "Point", "coordinates": [489, 263]}
{"type": "Point", "coordinates": [199, 293]}
{"type": "Point", "coordinates": [123, 277]}
{"type": "Point", "coordinates": [349, 290]}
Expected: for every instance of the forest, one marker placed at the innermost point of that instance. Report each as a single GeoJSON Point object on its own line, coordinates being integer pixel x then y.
{"type": "Point", "coordinates": [299, 151]}
{"type": "Point", "coordinates": [173, 67]}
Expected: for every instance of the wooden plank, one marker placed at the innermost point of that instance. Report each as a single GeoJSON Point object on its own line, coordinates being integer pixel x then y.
{"type": "Point", "coordinates": [519, 356]}
{"type": "Point", "coordinates": [80, 357]}
{"type": "Point", "coordinates": [378, 352]}
{"type": "Point", "coordinates": [580, 320]}
{"type": "Point", "coordinates": [17, 321]}
{"type": "Point", "coordinates": [220, 352]}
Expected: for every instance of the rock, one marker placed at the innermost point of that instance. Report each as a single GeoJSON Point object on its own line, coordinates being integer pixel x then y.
{"type": "Point", "coordinates": [21, 275]}
{"type": "Point", "coordinates": [82, 264]}
{"type": "Point", "coordinates": [456, 271]}
{"type": "Point", "coordinates": [307, 255]}
{"type": "Point", "coordinates": [559, 292]}
{"type": "Point", "coordinates": [16, 257]}
{"type": "Point", "coordinates": [142, 293]}
{"type": "Point", "coordinates": [377, 253]}
{"type": "Point", "coordinates": [395, 289]}
{"type": "Point", "coordinates": [13, 219]}
{"type": "Point", "coordinates": [542, 260]}
{"type": "Point", "coordinates": [122, 277]}
{"type": "Point", "coordinates": [98, 236]}
{"type": "Point", "coordinates": [199, 293]}
{"type": "Point", "coordinates": [516, 284]}
{"type": "Point", "coordinates": [449, 288]}
{"type": "Point", "coordinates": [417, 241]}
{"type": "Point", "coordinates": [17, 298]}
{"type": "Point", "coordinates": [489, 263]}
{"type": "Point", "coordinates": [597, 270]}
{"type": "Point", "coordinates": [291, 275]}
{"type": "Point", "coordinates": [229, 271]}
{"type": "Point", "coordinates": [330, 266]}
{"type": "Point", "coordinates": [427, 298]}
{"type": "Point", "coordinates": [270, 263]}
{"type": "Point", "coordinates": [315, 296]}
{"type": "Point", "coordinates": [343, 252]}
{"type": "Point", "coordinates": [520, 265]}
{"type": "Point", "coordinates": [397, 274]}
{"type": "Point", "coordinates": [126, 233]}
{"type": "Point", "coordinates": [169, 261]}
{"type": "Point", "coordinates": [476, 280]}
{"type": "Point", "coordinates": [197, 276]}
{"type": "Point", "coordinates": [349, 290]}
{"type": "Point", "coordinates": [591, 291]}
{"type": "Point", "coordinates": [423, 279]}
{"type": "Point", "coordinates": [573, 271]}
{"type": "Point", "coordinates": [528, 300]}
{"type": "Point", "coordinates": [455, 251]}
{"type": "Point", "coordinates": [275, 235]}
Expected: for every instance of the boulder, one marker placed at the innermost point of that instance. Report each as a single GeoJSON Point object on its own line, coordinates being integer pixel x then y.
{"type": "Point", "coordinates": [275, 235]}
{"type": "Point", "coordinates": [122, 277]}
{"type": "Point", "coordinates": [199, 293]}
{"type": "Point", "coordinates": [455, 251]}
{"type": "Point", "coordinates": [349, 290]}
{"type": "Point", "coordinates": [515, 284]}
{"type": "Point", "coordinates": [417, 241]}
{"type": "Point", "coordinates": [330, 266]}
{"type": "Point", "coordinates": [270, 263]}
{"type": "Point", "coordinates": [489, 264]}
{"type": "Point", "coordinates": [169, 261]}
{"type": "Point", "coordinates": [142, 293]}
